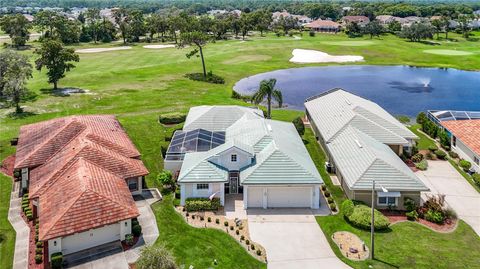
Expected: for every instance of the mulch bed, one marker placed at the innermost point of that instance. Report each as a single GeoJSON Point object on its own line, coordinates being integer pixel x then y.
{"type": "Point", "coordinates": [351, 245]}
{"type": "Point", "coordinates": [32, 247]}
{"type": "Point", "coordinates": [7, 165]}
{"type": "Point", "coordinates": [394, 217]}
{"type": "Point", "coordinates": [127, 247]}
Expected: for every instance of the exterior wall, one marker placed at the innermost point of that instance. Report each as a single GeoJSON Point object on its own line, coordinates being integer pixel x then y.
{"type": "Point", "coordinates": [224, 159]}
{"type": "Point", "coordinates": [465, 153]}
{"type": "Point", "coordinates": [54, 246]}
{"type": "Point", "coordinates": [366, 197]}
{"type": "Point", "coordinates": [172, 166]}
{"type": "Point", "coordinates": [24, 177]}
{"type": "Point", "coordinates": [253, 190]}
{"type": "Point", "coordinates": [125, 228]}
{"type": "Point", "coordinates": [398, 149]}
{"type": "Point", "coordinates": [188, 190]}
{"type": "Point", "coordinates": [138, 191]}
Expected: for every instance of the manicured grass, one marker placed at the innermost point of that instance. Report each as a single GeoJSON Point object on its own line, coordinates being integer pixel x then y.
{"type": "Point", "coordinates": [198, 246]}
{"type": "Point", "coordinates": [7, 233]}
{"type": "Point", "coordinates": [449, 52]}
{"type": "Point", "coordinates": [349, 43]}
{"type": "Point", "coordinates": [404, 245]}
{"type": "Point", "coordinates": [424, 142]}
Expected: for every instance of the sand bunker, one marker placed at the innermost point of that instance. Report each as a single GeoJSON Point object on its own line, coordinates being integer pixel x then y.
{"type": "Point", "coordinates": [315, 56]}
{"type": "Point", "coordinates": [95, 50]}
{"type": "Point", "coordinates": [448, 52]}
{"type": "Point", "coordinates": [158, 46]}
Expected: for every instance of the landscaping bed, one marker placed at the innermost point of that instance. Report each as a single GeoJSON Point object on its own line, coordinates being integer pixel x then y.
{"type": "Point", "coordinates": [237, 229]}
{"type": "Point", "coordinates": [396, 217]}
{"type": "Point", "coordinates": [351, 245]}
{"type": "Point", "coordinates": [32, 247]}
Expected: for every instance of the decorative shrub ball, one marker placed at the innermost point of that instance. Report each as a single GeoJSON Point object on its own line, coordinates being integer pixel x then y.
{"type": "Point", "coordinates": [209, 219]}
{"type": "Point", "coordinates": [347, 208]}
{"type": "Point", "coordinates": [440, 154]}
{"type": "Point", "coordinates": [217, 221]}
{"type": "Point", "coordinates": [417, 157]}
{"type": "Point", "coordinates": [259, 252]}
{"type": "Point", "coordinates": [432, 148]}
{"type": "Point", "coordinates": [242, 237]}
{"type": "Point", "coordinates": [225, 223]}
{"type": "Point", "coordinates": [361, 217]}
{"type": "Point", "coordinates": [38, 259]}
{"type": "Point", "coordinates": [137, 230]}
{"type": "Point", "coordinates": [247, 242]}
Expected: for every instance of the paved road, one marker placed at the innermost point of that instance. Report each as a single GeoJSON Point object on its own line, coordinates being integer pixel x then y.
{"type": "Point", "coordinates": [442, 178]}
{"type": "Point", "coordinates": [292, 239]}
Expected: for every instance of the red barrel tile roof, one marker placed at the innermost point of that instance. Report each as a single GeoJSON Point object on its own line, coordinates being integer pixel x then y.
{"type": "Point", "coordinates": [468, 131]}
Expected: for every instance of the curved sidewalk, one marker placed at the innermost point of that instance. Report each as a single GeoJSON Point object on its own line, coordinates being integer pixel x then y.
{"type": "Point", "coordinates": [20, 258]}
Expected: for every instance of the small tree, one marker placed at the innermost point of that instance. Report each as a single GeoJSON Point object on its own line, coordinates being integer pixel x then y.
{"type": "Point", "coordinates": [373, 28]}
{"type": "Point", "coordinates": [15, 70]}
{"type": "Point", "coordinates": [56, 59]}
{"type": "Point", "coordinates": [464, 25]}
{"type": "Point", "coordinates": [298, 122]}
{"type": "Point", "coordinates": [422, 118]}
{"type": "Point", "coordinates": [123, 22]}
{"type": "Point", "coordinates": [165, 178]}
{"type": "Point", "coordinates": [153, 257]}
{"type": "Point", "coordinates": [353, 29]}
{"type": "Point", "coordinates": [197, 39]}
{"type": "Point", "coordinates": [394, 26]}
{"type": "Point", "coordinates": [16, 26]}
{"type": "Point", "coordinates": [438, 26]}
{"type": "Point", "coordinates": [267, 90]}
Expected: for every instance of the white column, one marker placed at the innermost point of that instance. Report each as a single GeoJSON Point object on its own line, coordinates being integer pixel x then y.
{"type": "Point", "coordinates": [316, 197]}
{"type": "Point", "coordinates": [265, 200]}
{"type": "Point", "coordinates": [245, 197]}
{"type": "Point", "coordinates": [182, 194]}
{"type": "Point", "coordinates": [222, 194]}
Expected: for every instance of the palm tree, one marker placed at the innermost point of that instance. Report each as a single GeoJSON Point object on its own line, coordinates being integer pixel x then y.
{"type": "Point", "coordinates": [267, 90]}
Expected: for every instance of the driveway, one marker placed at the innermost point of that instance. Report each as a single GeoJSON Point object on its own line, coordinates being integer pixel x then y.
{"type": "Point", "coordinates": [442, 178]}
{"type": "Point", "coordinates": [292, 239]}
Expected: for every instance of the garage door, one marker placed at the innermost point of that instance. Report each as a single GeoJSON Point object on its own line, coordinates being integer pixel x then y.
{"type": "Point", "coordinates": [92, 238]}
{"type": "Point", "coordinates": [255, 197]}
{"type": "Point", "coordinates": [289, 197]}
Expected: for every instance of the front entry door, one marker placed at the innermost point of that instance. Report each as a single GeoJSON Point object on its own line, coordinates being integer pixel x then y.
{"type": "Point", "coordinates": [233, 182]}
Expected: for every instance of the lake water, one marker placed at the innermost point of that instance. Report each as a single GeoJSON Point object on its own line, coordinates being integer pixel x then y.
{"type": "Point", "coordinates": [401, 90]}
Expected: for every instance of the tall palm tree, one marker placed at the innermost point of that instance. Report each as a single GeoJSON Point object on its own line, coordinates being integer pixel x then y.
{"type": "Point", "coordinates": [267, 90]}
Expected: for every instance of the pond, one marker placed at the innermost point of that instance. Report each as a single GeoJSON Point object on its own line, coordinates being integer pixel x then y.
{"type": "Point", "coordinates": [401, 90]}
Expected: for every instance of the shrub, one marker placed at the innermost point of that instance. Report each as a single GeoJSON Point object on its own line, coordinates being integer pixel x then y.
{"type": "Point", "coordinates": [56, 260]}
{"type": "Point", "coordinates": [476, 178]}
{"type": "Point", "coordinates": [435, 203]}
{"type": "Point", "coordinates": [326, 193]}
{"type": "Point", "coordinates": [165, 178]}
{"type": "Point", "coordinates": [39, 250]}
{"type": "Point", "coordinates": [432, 148]}
{"type": "Point", "coordinates": [434, 216]}
{"type": "Point", "coordinates": [155, 257]}
{"type": "Point", "coordinates": [409, 204]}
{"type": "Point", "coordinates": [444, 139]}
{"type": "Point", "coordinates": [422, 118]}
{"type": "Point", "coordinates": [202, 204]}
{"type": "Point", "coordinates": [361, 217]}
{"type": "Point", "coordinates": [298, 122]}
{"type": "Point", "coordinates": [465, 165]}
{"type": "Point", "coordinates": [217, 221]}
{"type": "Point", "coordinates": [135, 222]}
{"type": "Point", "coordinates": [253, 247]}
{"type": "Point", "coordinates": [440, 154]}
{"type": "Point", "coordinates": [347, 208]}
{"type": "Point", "coordinates": [201, 218]}
{"type": "Point", "coordinates": [209, 219]}
{"type": "Point", "coordinates": [330, 200]}
{"type": "Point", "coordinates": [137, 230]}
{"type": "Point", "coordinates": [333, 207]}
{"type": "Point", "coordinates": [193, 216]}
{"type": "Point", "coordinates": [259, 252]}
{"type": "Point", "coordinates": [417, 158]}
{"type": "Point", "coordinates": [38, 259]}
{"type": "Point", "coordinates": [237, 232]}
{"type": "Point", "coordinates": [225, 223]}
{"type": "Point", "coordinates": [211, 78]}
{"type": "Point", "coordinates": [247, 242]}
{"type": "Point", "coordinates": [36, 226]}
{"type": "Point", "coordinates": [129, 239]}
{"type": "Point", "coordinates": [39, 244]}
{"type": "Point", "coordinates": [242, 237]}
{"type": "Point", "coordinates": [186, 214]}
{"type": "Point", "coordinates": [172, 118]}
{"type": "Point", "coordinates": [450, 213]}
{"type": "Point", "coordinates": [423, 165]}
{"type": "Point", "coordinates": [311, 33]}
{"type": "Point", "coordinates": [17, 174]}
{"type": "Point", "coordinates": [453, 154]}
{"type": "Point", "coordinates": [324, 187]}
{"type": "Point", "coordinates": [231, 228]}
{"type": "Point", "coordinates": [29, 215]}
{"type": "Point", "coordinates": [412, 215]}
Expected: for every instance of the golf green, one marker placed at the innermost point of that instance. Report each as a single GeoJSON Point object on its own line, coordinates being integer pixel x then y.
{"type": "Point", "coordinates": [349, 43]}
{"type": "Point", "coordinates": [449, 52]}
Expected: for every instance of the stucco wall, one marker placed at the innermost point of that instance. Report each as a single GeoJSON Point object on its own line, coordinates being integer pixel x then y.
{"type": "Point", "coordinates": [172, 166]}
{"type": "Point", "coordinates": [465, 153]}
{"type": "Point", "coordinates": [190, 190]}
{"type": "Point", "coordinates": [366, 197]}
{"type": "Point", "coordinates": [224, 159]}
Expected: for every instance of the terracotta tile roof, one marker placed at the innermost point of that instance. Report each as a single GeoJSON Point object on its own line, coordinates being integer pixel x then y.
{"type": "Point", "coordinates": [40, 141]}
{"type": "Point", "coordinates": [468, 131]}
{"type": "Point", "coordinates": [355, 19]}
{"type": "Point", "coordinates": [84, 197]}
{"type": "Point", "coordinates": [322, 24]}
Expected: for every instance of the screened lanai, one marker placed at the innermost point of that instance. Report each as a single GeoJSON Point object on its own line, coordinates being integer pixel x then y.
{"type": "Point", "coordinates": [193, 141]}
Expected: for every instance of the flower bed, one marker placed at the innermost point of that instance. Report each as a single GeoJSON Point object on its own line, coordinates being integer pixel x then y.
{"type": "Point", "coordinates": [237, 229]}
{"type": "Point", "coordinates": [32, 247]}
{"type": "Point", "coordinates": [350, 245]}
{"type": "Point", "coordinates": [395, 217]}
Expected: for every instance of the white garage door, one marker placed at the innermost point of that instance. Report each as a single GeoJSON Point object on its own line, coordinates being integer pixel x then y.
{"type": "Point", "coordinates": [255, 197]}
{"type": "Point", "coordinates": [92, 238]}
{"type": "Point", "coordinates": [289, 197]}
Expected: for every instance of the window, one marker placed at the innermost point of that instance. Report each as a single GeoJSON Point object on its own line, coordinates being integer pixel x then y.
{"type": "Point", "coordinates": [475, 159]}
{"type": "Point", "coordinates": [233, 158]}
{"type": "Point", "coordinates": [202, 186]}
{"type": "Point", "coordinates": [133, 184]}
{"type": "Point", "coordinates": [54, 243]}
{"type": "Point", "coordinates": [387, 200]}
{"type": "Point", "coordinates": [454, 141]}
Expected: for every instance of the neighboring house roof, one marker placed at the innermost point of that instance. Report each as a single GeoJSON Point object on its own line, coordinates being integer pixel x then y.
{"type": "Point", "coordinates": [280, 155]}
{"type": "Point", "coordinates": [85, 197]}
{"type": "Point", "coordinates": [333, 110]}
{"type": "Point", "coordinates": [218, 118]}
{"type": "Point", "coordinates": [322, 24]}
{"type": "Point", "coordinates": [384, 18]}
{"type": "Point", "coordinates": [355, 19]}
{"type": "Point", "coordinates": [468, 131]}
{"type": "Point", "coordinates": [362, 159]}
{"type": "Point", "coordinates": [78, 167]}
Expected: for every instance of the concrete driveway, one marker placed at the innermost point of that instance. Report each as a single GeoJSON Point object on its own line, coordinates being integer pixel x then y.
{"type": "Point", "coordinates": [442, 178]}
{"type": "Point", "coordinates": [292, 239]}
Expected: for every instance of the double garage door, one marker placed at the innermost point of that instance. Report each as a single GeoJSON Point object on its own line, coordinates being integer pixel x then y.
{"type": "Point", "coordinates": [89, 239]}
{"type": "Point", "coordinates": [280, 197]}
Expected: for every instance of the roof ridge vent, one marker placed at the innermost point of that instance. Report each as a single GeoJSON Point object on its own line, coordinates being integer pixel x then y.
{"type": "Point", "coordinates": [348, 102]}
{"type": "Point", "coordinates": [358, 143]}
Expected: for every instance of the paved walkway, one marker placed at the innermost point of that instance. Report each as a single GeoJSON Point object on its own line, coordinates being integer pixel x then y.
{"type": "Point", "coordinates": [20, 258]}
{"type": "Point", "coordinates": [292, 239]}
{"type": "Point", "coordinates": [442, 178]}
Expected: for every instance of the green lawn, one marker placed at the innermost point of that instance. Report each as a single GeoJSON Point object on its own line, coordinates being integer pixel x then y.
{"type": "Point", "coordinates": [424, 142]}
{"type": "Point", "coordinates": [7, 233]}
{"type": "Point", "coordinates": [199, 246]}
{"type": "Point", "coordinates": [139, 84]}
{"type": "Point", "coordinates": [406, 245]}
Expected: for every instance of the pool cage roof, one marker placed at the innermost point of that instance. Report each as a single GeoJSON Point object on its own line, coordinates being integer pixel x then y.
{"type": "Point", "coordinates": [443, 115]}
{"type": "Point", "coordinates": [197, 140]}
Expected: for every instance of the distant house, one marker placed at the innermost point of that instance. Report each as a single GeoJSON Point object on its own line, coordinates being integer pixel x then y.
{"type": "Point", "coordinates": [323, 26]}
{"type": "Point", "coordinates": [231, 149]}
{"type": "Point", "coordinates": [385, 19]}
{"type": "Point", "coordinates": [363, 143]}
{"type": "Point", "coordinates": [277, 15]}
{"type": "Point", "coordinates": [301, 19]}
{"type": "Point", "coordinates": [360, 20]}
{"type": "Point", "coordinates": [432, 18]}
{"type": "Point", "coordinates": [80, 173]}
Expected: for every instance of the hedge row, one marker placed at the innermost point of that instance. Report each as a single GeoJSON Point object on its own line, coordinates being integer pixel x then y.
{"type": "Point", "coordinates": [172, 118]}
{"type": "Point", "coordinates": [360, 216]}
{"type": "Point", "coordinates": [201, 204]}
